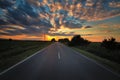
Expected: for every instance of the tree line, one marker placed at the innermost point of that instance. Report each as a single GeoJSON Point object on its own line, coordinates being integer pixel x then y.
{"type": "Point", "coordinates": [77, 40]}
{"type": "Point", "coordinates": [110, 44]}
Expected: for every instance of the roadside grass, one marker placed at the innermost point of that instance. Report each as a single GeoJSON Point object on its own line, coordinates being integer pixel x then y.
{"type": "Point", "coordinates": [115, 67]}
{"type": "Point", "coordinates": [11, 52]}
{"type": "Point", "coordinates": [96, 49]}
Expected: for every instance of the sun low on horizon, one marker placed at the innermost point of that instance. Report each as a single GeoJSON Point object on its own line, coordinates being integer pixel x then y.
{"type": "Point", "coordinates": [94, 20]}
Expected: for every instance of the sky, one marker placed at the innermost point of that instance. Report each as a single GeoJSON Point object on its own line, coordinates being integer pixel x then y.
{"type": "Point", "coordinates": [94, 20]}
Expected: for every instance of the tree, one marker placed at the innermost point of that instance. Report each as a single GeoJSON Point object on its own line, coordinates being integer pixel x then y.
{"type": "Point", "coordinates": [53, 40]}
{"type": "Point", "coordinates": [65, 40]}
{"type": "Point", "coordinates": [77, 40]}
{"type": "Point", "coordinates": [60, 40]}
{"type": "Point", "coordinates": [10, 39]}
{"type": "Point", "coordinates": [109, 43]}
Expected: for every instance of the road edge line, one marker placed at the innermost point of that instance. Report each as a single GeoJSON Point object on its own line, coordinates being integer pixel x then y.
{"type": "Point", "coordinates": [3, 72]}
{"type": "Point", "coordinates": [78, 53]}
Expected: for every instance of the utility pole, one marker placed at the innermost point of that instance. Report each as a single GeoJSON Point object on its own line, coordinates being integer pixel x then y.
{"type": "Point", "coordinates": [43, 34]}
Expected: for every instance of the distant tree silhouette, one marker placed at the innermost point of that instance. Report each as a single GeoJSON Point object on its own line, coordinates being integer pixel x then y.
{"type": "Point", "coordinates": [53, 40]}
{"type": "Point", "coordinates": [10, 39]}
{"type": "Point", "coordinates": [77, 40]}
{"type": "Point", "coordinates": [110, 43]}
{"type": "Point", "coordinates": [60, 40]}
{"type": "Point", "coordinates": [65, 40]}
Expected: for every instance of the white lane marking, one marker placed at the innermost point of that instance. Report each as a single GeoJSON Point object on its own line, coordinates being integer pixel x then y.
{"type": "Point", "coordinates": [58, 55]}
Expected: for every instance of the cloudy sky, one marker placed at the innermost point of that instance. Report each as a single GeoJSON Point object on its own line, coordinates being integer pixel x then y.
{"type": "Point", "coordinates": [35, 19]}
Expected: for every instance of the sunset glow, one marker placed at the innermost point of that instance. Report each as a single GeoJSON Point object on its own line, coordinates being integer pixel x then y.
{"type": "Point", "coordinates": [46, 19]}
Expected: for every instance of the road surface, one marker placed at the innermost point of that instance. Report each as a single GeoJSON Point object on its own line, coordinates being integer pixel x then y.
{"type": "Point", "coordinates": [58, 62]}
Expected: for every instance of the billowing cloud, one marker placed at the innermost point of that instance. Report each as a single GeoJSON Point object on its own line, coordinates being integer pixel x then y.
{"type": "Point", "coordinates": [114, 4]}
{"type": "Point", "coordinates": [35, 17]}
{"type": "Point", "coordinates": [63, 34]}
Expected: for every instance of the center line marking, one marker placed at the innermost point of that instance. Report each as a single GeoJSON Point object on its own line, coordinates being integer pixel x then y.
{"type": "Point", "coordinates": [58, 55]}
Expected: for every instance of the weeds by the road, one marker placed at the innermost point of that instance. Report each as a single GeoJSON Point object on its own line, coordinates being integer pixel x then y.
{"type": "Point", "coordinates": [96, 49]}
{"type": "Point", "coordinates": [11, 52]}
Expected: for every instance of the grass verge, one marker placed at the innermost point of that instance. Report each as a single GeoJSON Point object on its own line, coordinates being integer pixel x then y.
{"type": "Point", "coordinates": [23, 50]}
{"type": "Point", "coordinates": [115, 67]}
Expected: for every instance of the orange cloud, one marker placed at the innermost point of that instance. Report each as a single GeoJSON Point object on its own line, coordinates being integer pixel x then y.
{"type": "Point", "coordinates": [114, 4]}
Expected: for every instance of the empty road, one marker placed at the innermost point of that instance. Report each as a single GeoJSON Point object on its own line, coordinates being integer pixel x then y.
{"type": "Point", "coordinates": [58, 62]}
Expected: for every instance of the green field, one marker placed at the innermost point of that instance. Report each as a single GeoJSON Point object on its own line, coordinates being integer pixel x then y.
{"type": "Point", "coordinates": [13, 51]}
{"type": "Point", "coordinates": [109, 58]}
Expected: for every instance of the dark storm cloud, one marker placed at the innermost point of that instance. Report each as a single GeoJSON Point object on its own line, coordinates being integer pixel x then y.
{"type": "Point", "coordinates": [3, 22]}
{"type": "Point", "coordinates": [6, 3]}
{"type": "Point", "coordinates": [72, 25]}
{"type": "Point", "coordinates": [28, 30]}
{"type": "Point", "coordinates": [25, 16]}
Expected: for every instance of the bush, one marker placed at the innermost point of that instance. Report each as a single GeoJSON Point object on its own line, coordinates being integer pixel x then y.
{"type": "Point", "coordinates": [110, 44]}
{"type": "Point", "coordinates": [77, 40]}
{"type": "Point", "coordinates": [65, 40]}
{"type": "Point", "coordinates": [53, 40]}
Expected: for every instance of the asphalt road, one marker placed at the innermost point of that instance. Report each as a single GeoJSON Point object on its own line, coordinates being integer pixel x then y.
{"type": "Point", "coordinates": [58, 62]}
